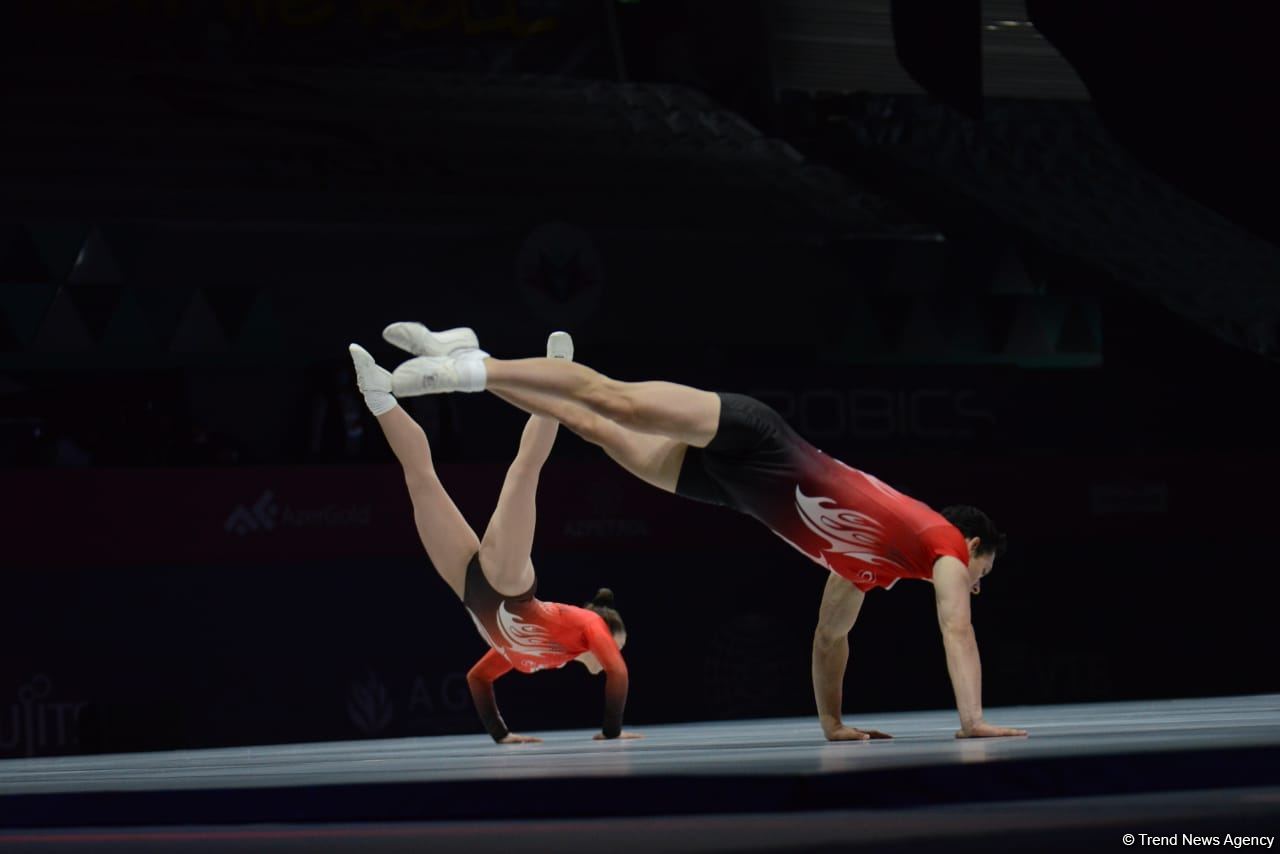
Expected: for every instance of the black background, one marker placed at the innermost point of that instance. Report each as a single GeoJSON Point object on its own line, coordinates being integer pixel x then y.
{"type": "Point", "coordinates": [1096, 600]}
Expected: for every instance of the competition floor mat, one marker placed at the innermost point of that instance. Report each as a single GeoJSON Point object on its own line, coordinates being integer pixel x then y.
{"type": "Point", "coordinates": [1087, 772]}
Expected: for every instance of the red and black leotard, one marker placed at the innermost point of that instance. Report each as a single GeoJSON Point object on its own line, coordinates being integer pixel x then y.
{"type": "Point", "coordinates": [841, 518]}
{"type": "Point", "coordinates": [529, 635]}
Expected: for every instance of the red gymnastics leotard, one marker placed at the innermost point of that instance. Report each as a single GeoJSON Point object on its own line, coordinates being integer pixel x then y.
{"type": "Point", "coordinates": [529, 635]}
{"type": "Point", "coordinates": [841, 518]}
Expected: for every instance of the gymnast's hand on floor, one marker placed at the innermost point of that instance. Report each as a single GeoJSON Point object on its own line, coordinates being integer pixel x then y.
{"type": "Point", "coordinates": [986, 730]}
{"type": "Point", "coordinates": [602, 737]}
{"type": "Point", "coordinates": [512, 738]}
{"type": "Point", "coordinates": [848, 733]}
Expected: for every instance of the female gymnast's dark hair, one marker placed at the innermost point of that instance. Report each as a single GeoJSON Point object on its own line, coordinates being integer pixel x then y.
{"type": "Point", "coordinates": [972, 522]}
{"type": "Point", "coordinates": [602, 604]}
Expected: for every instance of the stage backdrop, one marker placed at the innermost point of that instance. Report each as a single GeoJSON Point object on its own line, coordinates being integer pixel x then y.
{"type": "Point", "coordinates": [169, 608]}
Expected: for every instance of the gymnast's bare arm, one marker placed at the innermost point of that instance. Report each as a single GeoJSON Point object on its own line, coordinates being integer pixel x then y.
{"type": "Point", "coordinates": [952, 583]}
{"type": "Point", "coordinates": [841, 602]}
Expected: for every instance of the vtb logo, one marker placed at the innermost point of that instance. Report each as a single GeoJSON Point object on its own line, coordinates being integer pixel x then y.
{"type": "Point", "coordinates": [260, 516]}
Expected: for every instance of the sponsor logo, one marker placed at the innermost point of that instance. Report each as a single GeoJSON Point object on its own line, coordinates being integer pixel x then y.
{"type": "Point", "coordinates": [259, 516]}
{"type": "Point", "coordinates": [583, 529]}
{"type": "Point", "coordinates": [36, 724]}
{"type": "Point", "coordinates": [445, 696]}
{"type": "Point", "coordinates": [266, 515]}
{"type": "Point", "coordinates": [927, 414]}
{"type": "Point", "coordinates": [432, 703]}
{"type": "Point", "coordinates": [369, 707]}
{"type": "Point", "coordinates": [1109, 499]}
{"type": "Point", "coordinates": [560, 273]}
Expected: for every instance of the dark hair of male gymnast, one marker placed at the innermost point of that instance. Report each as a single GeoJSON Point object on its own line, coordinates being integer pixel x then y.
{"type": "Point", "coordinates": [971, 523]}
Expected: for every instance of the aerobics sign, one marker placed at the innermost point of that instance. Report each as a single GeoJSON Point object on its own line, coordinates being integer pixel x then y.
{"type": "Point", "coordinates": [266, 514]}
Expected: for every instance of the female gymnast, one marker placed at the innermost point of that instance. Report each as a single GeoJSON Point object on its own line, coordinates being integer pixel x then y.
{"type": "Point", "coordinates": [493, 575]}
{"type": "Point", "coordinates": [732, 450]}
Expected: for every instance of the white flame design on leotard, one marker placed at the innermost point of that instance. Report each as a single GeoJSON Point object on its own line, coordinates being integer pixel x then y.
{"type": "Point", "coordinates": [525, 638]}
{"type": "Point", "coordinates": [847, 532]}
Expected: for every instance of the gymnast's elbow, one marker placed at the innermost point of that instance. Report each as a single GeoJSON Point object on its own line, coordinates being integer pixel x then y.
{"type": "Point", "coordinates": [956, 629]}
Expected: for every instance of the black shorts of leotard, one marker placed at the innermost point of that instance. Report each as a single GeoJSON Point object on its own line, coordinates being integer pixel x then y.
{"type": "Point", "coordinates": [752, 465]}
{"type": "Point", "coordinates": [482, 600]}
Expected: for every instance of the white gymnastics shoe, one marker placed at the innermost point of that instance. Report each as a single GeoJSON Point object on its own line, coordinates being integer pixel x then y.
{"type": "Point", "coordinates": [373, 381]}
{"type": "Point", "coordinates": [421, 341]}
{"type": "Point", "coordinates": [438, 375]}
{"type": "Point", "coordinates": [560, 346]}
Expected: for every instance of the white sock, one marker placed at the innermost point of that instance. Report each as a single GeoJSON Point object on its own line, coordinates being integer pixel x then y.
{"type": "Point", "coordinates": [471, 373]}
{"type": "Point", "coordinates": [379, 402]}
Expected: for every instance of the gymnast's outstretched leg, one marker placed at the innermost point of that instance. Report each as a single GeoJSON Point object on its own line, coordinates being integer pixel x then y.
{"type": "Point", "coordinates": [654, 459]}
{"type": "Point", "coordinates": [449, 540]}
{"type": "Point", "coordinates": [679, 412]}
{"type": "Point", "coordinates": [651, 456]}
{"type": "Point", "coordinates": [508, 541]}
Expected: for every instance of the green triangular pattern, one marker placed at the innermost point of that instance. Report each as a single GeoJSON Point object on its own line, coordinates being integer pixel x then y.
{"type": "Point", "coordinates": [924, 330]}
{"type": "Point", "coordinates": [62, 331]}
{"type": "Point", "coordinates": [1011, 276]}
{"type": "Point", "coordinates": [96, 305]}
{"type": "Point", "coordinates": [1000, 313]}
{"type": "Point", "coordinates": [25, 306]}
{"type": "Point", "coordinates": [262, 332]}
{"type": "Point", "coordinates": [231, 306]}
{"type": "Point", "coordinates": [95, 264]}
{"type": "Point", "coordinates": [1036, 327]}
{"type": "Point", "coordinates": [163, 308]}
{"type": "Point", "coordinates": [968, 328]}
{"type": "Point", "coordinates": [198, 330]}
{"type": "Point", "coordinates": [59, 245]}
{"type": "Point", "coordinates": [1081, 329]}
{"type": "Point", "coordinates": [130, 329]}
